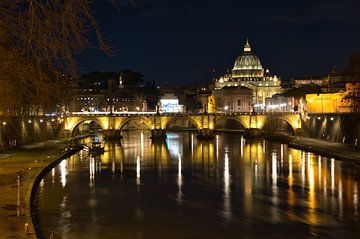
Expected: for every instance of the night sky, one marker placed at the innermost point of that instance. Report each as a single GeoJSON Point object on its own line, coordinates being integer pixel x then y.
{"type": "Point", "coordinates": [181, 41]}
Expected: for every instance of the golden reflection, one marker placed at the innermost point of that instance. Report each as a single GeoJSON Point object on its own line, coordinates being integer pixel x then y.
{"type": "Point", "coordinates": [227, 191]}
{"type": "Point", "coordinates": [321, 188]}
{"type": "Point", "coordinates": [303, 169]}
{"type": "Point", "coordinates": [92, 171]}
{"type": "Point", "coordinates": [63, 172]}
{"type": "Point", "coordinates": [274, 168]}
{"type": "Point", "coordinates": [290, 177]}
{"type": "Point", "coordinates": [204, 154]}
{"type": "Point", "coordinates": [217, 147]}
{"type": "Point", "coordinates": [291, 195]}
{"type": "Point", "coordinates": [263, 145]}
{"type": "Point", "coordinates": [142, 144]}
{"type": "Point", "coordinates": [312, 199]}
{"type": "Point", "coordinates": [275, 196]}
{"type": "Point", "coordinates": [332, 175]}
{"type": "Point", "coordinates": [179, 180]}
{"type": "Point", "coordinates": [282, 155]}
{"type": "Point", "coordinates": [138, 170]}
{"type": "Point", "coordinates": [160, 155]}
{"type": "Point", "coordinates": [340, 198]}
{"type": "Point", "coordinates": [242, 146]}
{"type": "Point", "coordinates": [192, 144]}
{"type": "Point", "coordinates": [356, 199]}
{"type": "Point", "coordinates": [53, 176]}
{"type": "Point", "coordinates": [319, 171]}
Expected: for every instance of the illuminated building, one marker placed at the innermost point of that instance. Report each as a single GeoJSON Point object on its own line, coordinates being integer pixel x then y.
{"type": "Point", "coordinates": [329, 103]}
{"type": "Point", "coordinates": [248, 72]}
{"type": "Point", "coordinates": [342, 102]}
{"type": "Point", "coordinates": [233, 99]}
{"type": "Point", "coordinates": [332, 82]}
{"type": "Point", "coordinates": [169, 103]}
{"type": "Point", "coordinates": [279, 103]}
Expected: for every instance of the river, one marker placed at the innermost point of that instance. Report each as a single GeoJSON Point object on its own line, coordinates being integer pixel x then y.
{"type": "Point", "coordinates": [185, 188]}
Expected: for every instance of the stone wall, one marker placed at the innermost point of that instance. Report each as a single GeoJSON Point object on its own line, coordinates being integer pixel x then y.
{"type": "Point", "coordinates": [343, 128]}
{"type": "Point", "coordinates": [19, 131]}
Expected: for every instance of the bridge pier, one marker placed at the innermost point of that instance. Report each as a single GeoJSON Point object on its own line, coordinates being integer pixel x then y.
{"type": "Point", "coordinates": [206, 134]}
{"type": "Point", "coordinates": [158, 134]}
{"type": "Point", "coordinates": [252, 133]}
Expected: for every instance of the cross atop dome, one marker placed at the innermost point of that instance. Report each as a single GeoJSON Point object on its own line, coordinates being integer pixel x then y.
{"type": "Point", "coordinates": [247, 47]}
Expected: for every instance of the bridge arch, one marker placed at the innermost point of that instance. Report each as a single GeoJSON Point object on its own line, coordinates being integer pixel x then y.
{"type": "Point", "coordinates": [279, 124]}
{"type": "Point", "coordinates": [79, 121]}
{"type": "Point", "coordinates": [187, 118]}
{"type": "Point", "coordinates": [142, 120]}
{"type": "Point", "coordinates": [229, 118]}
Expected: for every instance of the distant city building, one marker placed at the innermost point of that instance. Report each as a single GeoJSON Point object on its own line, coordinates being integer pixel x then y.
{"type": "Point", "coordinates": [125, 91]}
{"type": "Point", "coordinates": [280, 103]}
{"type": "Point", "coordinates": [195, 97]}
{"type": "Point", "coordinates": [233, 99]}
{"type": "Point", "coordinates": [249, 72]}
{"type": "Point", "coordinates": [169, 103]}
{"type": "Point", "coordinates": [332, 82]}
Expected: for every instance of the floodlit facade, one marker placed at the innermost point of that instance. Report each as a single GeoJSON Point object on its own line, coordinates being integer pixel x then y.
{"type": "Point", "coordinates": [233, 99]}
{"type": "Point", "coordinates": [249, 72]}
{"type": "Point", "coordinates": [169, 103]}
{"type": "Point", "coordinates": [341, 102]}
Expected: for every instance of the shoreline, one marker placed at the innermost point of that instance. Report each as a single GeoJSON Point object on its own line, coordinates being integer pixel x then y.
{"type": "Point", "coordinates": [328, 149]}
{"type": "Point", "coordinates": [31, 162]}
{"type": "Point", "coordinates": [35, 226]}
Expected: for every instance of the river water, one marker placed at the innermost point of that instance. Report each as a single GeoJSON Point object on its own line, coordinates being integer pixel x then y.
{"type": "Point", "coordinates": [185, 188]}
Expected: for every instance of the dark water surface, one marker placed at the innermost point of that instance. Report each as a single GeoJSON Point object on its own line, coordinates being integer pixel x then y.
{"type": "Point", "coordinates": [185, 188]}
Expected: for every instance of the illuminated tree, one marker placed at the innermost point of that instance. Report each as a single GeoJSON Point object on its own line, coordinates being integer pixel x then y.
{"type": "Point", "coordinates": [38, 42]}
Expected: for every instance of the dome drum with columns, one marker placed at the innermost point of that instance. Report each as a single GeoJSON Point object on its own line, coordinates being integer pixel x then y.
{"type": "Point", "coordinates": [249, 72]}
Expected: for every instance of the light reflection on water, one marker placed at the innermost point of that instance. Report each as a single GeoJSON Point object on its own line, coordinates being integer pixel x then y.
{"type": "Point", "coordinates": [226, 188]}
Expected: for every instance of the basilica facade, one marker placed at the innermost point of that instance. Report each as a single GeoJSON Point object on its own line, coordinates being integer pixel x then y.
{"type": "Point", "coordinates": [248, 72]}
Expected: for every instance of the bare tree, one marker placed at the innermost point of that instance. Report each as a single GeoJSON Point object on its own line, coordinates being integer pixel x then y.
{"type": "Point", "coordinates": [38, 42]}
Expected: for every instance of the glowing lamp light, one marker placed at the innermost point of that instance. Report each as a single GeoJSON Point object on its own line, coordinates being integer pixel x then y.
{"type": "Point", "coordinates": [226, 107]}
{"type": "Point", "coordinates": [29, 121]}
{"type": "Point", "coordinates": [52, 120]}
{"type": "Point", "coordinates": [319, 118]}
{"type": "Point", "coordinates": [4, 123]}
{"type": "Point", "coordinates": [41, 120]}
{"type": "Point", "coordinates": [332, 118]}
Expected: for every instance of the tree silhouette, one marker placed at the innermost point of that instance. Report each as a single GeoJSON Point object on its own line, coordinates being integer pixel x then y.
{"type": "Point", "coordinates": [38, 42]}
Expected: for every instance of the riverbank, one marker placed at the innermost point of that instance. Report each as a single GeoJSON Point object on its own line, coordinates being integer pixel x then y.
{"type": "Point", "coordinates": [329, 149]}
{"type": "Point", "coordinates": [25, 163]}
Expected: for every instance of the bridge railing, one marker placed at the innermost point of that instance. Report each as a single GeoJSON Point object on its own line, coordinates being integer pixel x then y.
{"type": "Point", "coordinates": [129, 114]}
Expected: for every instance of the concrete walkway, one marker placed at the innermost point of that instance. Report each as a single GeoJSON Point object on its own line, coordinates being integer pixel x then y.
{"type": "Point", "coordinates": [329, 149]}
{"type": "Point", "coordinates": [27, 163]}
{"type": "Point", "coordinates": [326, 148]}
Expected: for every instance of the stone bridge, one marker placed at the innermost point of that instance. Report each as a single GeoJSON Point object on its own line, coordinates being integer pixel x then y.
{"type": "Point", "coordinates": [205, 123]}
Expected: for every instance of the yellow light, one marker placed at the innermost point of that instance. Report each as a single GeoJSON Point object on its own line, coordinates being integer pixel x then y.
{"type": "Point", "coordinates": [41, 120]}
{"type": "Point", "coordinates": [29, 121]}
{"type": "Point", "coordinates": [4, 123]}
{"type": "Point", "coordinates": [52, 120]}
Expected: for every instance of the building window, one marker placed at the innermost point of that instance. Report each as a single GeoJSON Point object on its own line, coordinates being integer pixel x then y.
{"type": "Point", "coordinates": [239, 102]}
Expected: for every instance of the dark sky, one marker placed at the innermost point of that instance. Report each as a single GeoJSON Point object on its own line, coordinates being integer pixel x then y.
{"type": "Point", "coordinates": [181, 41]}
